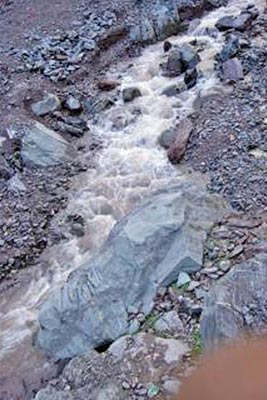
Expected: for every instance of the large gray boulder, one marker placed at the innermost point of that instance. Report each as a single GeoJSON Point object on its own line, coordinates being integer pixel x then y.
{"type": "Point", "coordinates": [40, 145]}
{"type": "Point", "coordinates": [237, 303]}
{"type": "Point", "coordinates": [159, 23]}
{"type": "Point", "coordinates": [140, 365]}
{"type": "Point", "coordinates": [146, 250]}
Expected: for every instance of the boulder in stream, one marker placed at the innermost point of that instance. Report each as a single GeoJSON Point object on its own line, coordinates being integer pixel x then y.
{"type": "Point", "coordinates": [178, 147]}
{"type": "Point", "coordinates": [146, 250]}
{"type": "Point", "coordinates": [48, 104]}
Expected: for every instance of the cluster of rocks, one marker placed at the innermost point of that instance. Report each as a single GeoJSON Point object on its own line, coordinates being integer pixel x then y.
{"type": "Point", "coordinates": [59, 56]}
{"type": "Point", "coordinates": [182, 61]}
{"type": "Point", "coordinates": [230, 64]}
{"type": "Point", "coordinates": [134, 367]}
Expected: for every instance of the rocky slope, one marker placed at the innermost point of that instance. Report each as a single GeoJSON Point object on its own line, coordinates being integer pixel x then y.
{"type": "Point", "coordinates": [145, 303]}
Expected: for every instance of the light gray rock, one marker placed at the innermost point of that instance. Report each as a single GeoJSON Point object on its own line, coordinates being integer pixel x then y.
{"type": "Point", "coordinates": [73, 104]}
{"type": "Point", "coordinates": [42, 146]}
{"type": "Point", "coordinates": [183, 279]}
{"type": "Point", "coordinates": [237, 303]}
{"type": "Point", "coordinates": [146, 250]}
{"type": "Point", "coordinates": [169, 323]}
{"type": "Point", "coordinates": [48, 104]}
{"type": "Point", "coordinates": [141, 358]}
{"type": "Point", "coordinates": [232, 70]}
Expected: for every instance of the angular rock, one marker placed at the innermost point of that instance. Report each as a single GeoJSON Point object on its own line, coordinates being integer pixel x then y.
{"type": "Point", "coordinates": [229, 50]}
{"type": "Point", "coordinates": [131, 93]}
{"type": "Point", "coordinates": [144, 359]}
{"type": "Point", "coordinates": [177, 149]}
{"type": "Point", "coordinates": [190, 78]}
{"type": "Point", "coordinates": [73, 104]}
{"type": "Point", "coordinates": [180, 60]}
{"type": "Point", "coordinates": [174, 66]}
{"type": "Point", "coordinates": [189, 56]}
{"type": "Point", "coordinates": [42, 146]}
{"type": "Point", "coordinates": [232, 70]}
{"type": "Point", "coordinates": [169, 323]}
{"type": "Point", "coordinates": [163, 21]}
{"type": "Point", "coordinates": [49, 103]}
{"type": "Point", "coordinates": [146, 250]}
{"type": "Point", "coordinates": [226, 23]}
{"type": "Point", "coordinates": [237, 303]}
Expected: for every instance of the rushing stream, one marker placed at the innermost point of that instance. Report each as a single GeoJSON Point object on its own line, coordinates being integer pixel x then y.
{"type": "Point", "coordinates": [130, 166]}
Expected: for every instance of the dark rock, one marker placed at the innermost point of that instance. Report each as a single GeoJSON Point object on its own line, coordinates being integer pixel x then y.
{"type": "Point", "coordinates": [181, 60]}
{"type": "Point", "coordinates": [174, 66]}
{"type": "Point", "coordinates": [232, 70]}
{"type": "Point", "coordinates": [230, 50]}
{"type": "Point", "coordinates": [226, 23]}
{"type": "Point", "coordinates": [129, 94]}
{"type": "Point", "coordinates": [237, 303]}
{"type": "Point", "coordinates": [167, 46]}
{"type": "Point", "coordinates": [146, 250]}
{"type": "Point", "coordinates": [75, 126]}
{"type": "Point", "coordinates": [5, 170]}
{"type": "Point", "coordinates": [48, 104]}
{"type": "Point", "coordinates": [167, 138]}
{"type": "Point", "coordinates": [190, 78]}
{"type": "Point", "coordinates": [107, 85]}
{"type": "Point", "coordinates": [240, 23]}
{"type": "Point", "coordinates": [177, 149]}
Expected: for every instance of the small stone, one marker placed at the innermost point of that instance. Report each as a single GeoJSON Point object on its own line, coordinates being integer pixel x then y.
{"type": "Point", "coordinates": [126, 385]}
{"type": "Point", "coordinates": [107, 85]}
{"type": "Point", "coordinates": [167, 46]}
{"type": "Point", "coordinates": [153, 391]}
{"type": "Point", "coordinates": [183, 279]}
{"type": "Point", "coordinates": [129, 94]}
{"type": "Point", "coordinates": [49, 104]}
{"type": "Point", "coordinates": [232, 70]}
{"type": "Point", "coordinates": [192, 286]}
{"type": "Point", "coordinates": [73, 104]}
{"type": "Point", "coordinates": [224, 265]}
{"type": "Point", "coordinates": [237, 250]}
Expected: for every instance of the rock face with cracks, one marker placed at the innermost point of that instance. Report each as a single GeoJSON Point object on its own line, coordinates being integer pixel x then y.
{"type": "Point", "coordinates": [237, 303]}
{"type": "Point", "coordinates": [146, 250]}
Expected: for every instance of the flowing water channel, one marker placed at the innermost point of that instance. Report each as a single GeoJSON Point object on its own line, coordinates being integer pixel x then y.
{"type": "Point", "coordinates": [130, 166]}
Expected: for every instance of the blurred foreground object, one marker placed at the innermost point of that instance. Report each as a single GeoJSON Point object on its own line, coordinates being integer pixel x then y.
{"type": "Point", "coordinates": [234, 372]}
